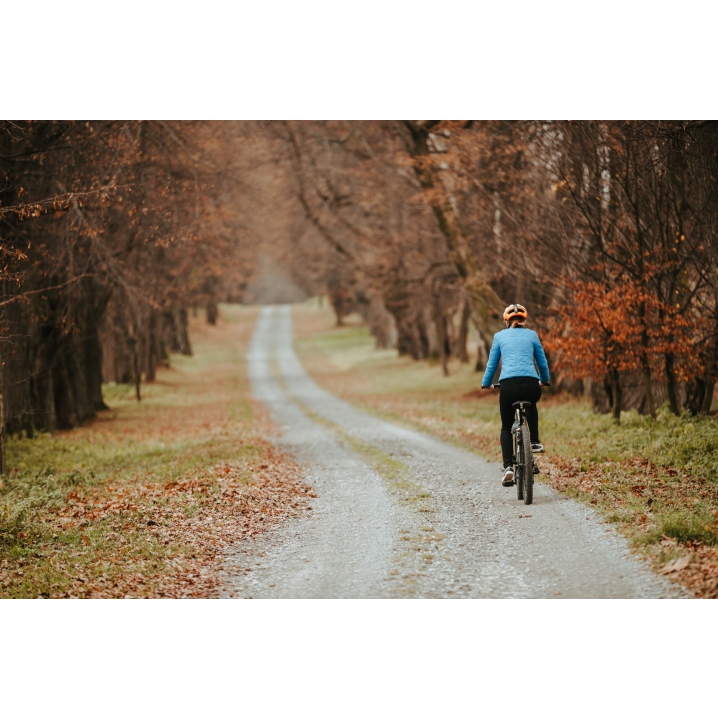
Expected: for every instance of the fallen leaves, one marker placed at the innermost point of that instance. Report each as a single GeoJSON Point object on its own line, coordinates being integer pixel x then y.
{"type": "Point", "coordinates": [677, 565]}
{"type": "Point", "coordinates": [232, 510]}
{"type": "Point", "coordinates": [176, 482]}
{"type": "Point", "coordinates": [167, 541]}
{"type": "Point", "coordinates": [639, 507]}
{"type": "Point", "coordinates": [700, 575]}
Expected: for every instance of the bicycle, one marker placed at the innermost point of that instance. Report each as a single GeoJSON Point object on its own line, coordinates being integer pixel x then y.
{"type": "Point", "coordinates": [523, 458]}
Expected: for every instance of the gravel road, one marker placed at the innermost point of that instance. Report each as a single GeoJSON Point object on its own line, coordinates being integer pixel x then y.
{"type": "Point", "coordinates": [401, 514]}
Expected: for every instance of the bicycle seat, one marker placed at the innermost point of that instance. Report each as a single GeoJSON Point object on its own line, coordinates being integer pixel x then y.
{"type": "Point", "coordinates": [516, 404]}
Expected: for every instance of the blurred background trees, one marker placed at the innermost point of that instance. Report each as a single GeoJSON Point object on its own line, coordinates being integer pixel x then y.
{"type": "Point", "coordinates": [111, 232]}
{"type": "Point", "coordinates": [604, 230]}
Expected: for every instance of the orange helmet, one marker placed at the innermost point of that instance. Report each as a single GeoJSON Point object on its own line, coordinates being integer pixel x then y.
{"type": "Point", "coordinates": [513, 311]}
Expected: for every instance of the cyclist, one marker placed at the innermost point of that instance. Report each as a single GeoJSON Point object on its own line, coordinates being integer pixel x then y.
{"type": "Point", "coordinates": [517, 347]}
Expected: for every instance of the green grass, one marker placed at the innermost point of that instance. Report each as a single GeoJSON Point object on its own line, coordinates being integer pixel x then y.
{"type": "Point", "coordinates": [683, 527]}
{"type": "Point", "coordinates": [196, 415]}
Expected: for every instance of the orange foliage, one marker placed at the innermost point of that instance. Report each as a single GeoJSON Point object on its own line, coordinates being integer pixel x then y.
{"type": "Point", "coordinates": [597, 331]}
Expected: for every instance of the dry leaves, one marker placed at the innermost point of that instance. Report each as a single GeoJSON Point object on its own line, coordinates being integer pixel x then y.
{"type": "Point", "coordinates": [677, 565]}
{"type": "Point", "coordinates": [191, 472]}
{"type": "Point", "coordinates": [170, 538]}
{"type": "Point", "coordinates": [630, 491]}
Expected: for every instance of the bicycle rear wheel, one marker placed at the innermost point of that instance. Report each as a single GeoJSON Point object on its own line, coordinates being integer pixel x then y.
{"type": "Point", "coordinates": [527, 461]}
{"type": "Point", "coordinates": [518, 476]}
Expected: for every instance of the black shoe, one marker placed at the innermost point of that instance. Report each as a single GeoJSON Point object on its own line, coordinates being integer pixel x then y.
{"type": "Point", "coordinates": [537, 448]}
{"type": "Point", "coordinates": [508, 477]}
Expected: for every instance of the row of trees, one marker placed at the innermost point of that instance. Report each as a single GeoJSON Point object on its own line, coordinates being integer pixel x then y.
{"type": "Point", "coordinates": [605, 230]}
{"type": "Point", "coordinates": [378, 231]}
{"type": "Point", "coordinates": [642, 260]}
{"type": "Point", "coordinates": [109, 231]}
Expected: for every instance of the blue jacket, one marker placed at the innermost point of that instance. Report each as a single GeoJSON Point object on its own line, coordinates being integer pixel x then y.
{"type": "Point", "coordinates": [517, 348]}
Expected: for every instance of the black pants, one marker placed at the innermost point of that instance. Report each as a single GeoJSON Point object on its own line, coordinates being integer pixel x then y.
{"type": "Point", "coordinates": [517, 389]}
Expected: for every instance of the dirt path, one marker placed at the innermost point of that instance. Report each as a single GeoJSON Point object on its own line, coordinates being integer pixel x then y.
{"type": "Point", "coordinates": [402, 514]}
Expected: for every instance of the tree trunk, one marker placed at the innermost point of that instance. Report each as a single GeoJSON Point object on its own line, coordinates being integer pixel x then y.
{"type": "Point", "coordinates": [464, 332]}
{"type": "Point", "coordinates": [710, 379]}
{"type": "Point", "coordinates": [423, 338]}
{"type": "Point", "coordinates": [151, 348]}
{"type": "Point", "coordinates": [441, 331]}
{"type": "Point", "coordinates": [135, 355]}
{"type": "Point", "coordinates": [3, 464]}
{"type": "Point", "coordinates": [93, 362]}
{"type": "Point", "coordinates": [336, 298]}
{"type": "Point", "coordinates": [645, 366]}
{"type": "Point", "coordinates": [183, 328]}
{"type": "Point", "coordinates": [617, 397]}
{"type": "Point", "coordinates": [485, 304]}
{"type": "Point", "coordinates": [212, 311]}
{"type": "Point", "coordinates": [698, 396]}
{"type": "Point", "coordinates": [404, 341]}
{"type": "Point", "coordinates": [76, 372]}
{"type": "Point", "coordinates": [65, 407]}
{"type": "Point", "coordinates": [382, 324]}
{"type": "Point", "coordinates": [175, 332]}
{"type": "Point", "coordinates": [671, 384]}
{"type": "Point", "coordinates": [482, 352]}
{"type": "Point", "coordinates": [648, 387]}
{"type": "Point", "coordinates": [136, 372]}
{"type": "Point", "coordinates": [708, 396]}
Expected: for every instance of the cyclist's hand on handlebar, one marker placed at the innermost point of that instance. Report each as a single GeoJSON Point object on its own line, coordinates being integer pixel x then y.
{"type": "Point", "coordinates": [544, 383]}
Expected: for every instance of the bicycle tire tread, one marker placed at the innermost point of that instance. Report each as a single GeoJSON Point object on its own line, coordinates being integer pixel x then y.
{"type": "Point", "coordinates": [528, 465]}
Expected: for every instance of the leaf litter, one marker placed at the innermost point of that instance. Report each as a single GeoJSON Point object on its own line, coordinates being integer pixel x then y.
{"type": "Point", "coordinates": [166, 487]}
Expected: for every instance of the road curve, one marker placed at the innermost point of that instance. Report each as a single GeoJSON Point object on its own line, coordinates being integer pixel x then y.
{"type": "Point", "coordinates": [403, 514]}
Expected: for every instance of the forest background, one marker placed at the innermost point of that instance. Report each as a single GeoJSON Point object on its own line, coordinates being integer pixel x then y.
{"type": "Point", "coordinates": [111, 232]}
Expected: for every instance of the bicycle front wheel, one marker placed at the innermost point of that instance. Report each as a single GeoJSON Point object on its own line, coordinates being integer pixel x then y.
{"type": "Point", "coordinates": [519, 478]}
{"type": "Point", "coordinates": [527, 468]}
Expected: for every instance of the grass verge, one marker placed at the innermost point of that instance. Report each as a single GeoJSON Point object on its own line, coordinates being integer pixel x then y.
{"type": "Point", "coordinates": [142, 501]}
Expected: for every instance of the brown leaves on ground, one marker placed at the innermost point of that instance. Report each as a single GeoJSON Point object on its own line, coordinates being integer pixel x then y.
{"type": "Point", "coordinates": [227, 510]}
{"type": "Point", "coordinates": [677, 565]}
{"type": "Point", "coordinates": [162, 488]}
{"type": "Point", "coordinates": [207, 513]}
{"type": "Point", "coordinates": [638, 496]}
{"type": "Point", "coordinates": [165, 541]}
{"type": "Point", "coordinates": [700, 574]}
{"type": "Point", "coordinates": [630, 485]}
{"type": "Point", "coordinates": [696, 567]}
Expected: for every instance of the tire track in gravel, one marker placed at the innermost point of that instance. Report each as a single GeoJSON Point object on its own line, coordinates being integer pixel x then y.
{"type": "Point", "coordinates": [403, 514]}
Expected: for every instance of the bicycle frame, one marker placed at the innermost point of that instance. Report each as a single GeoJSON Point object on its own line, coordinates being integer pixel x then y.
{"type": "Point", "coordinates": [519, 421]}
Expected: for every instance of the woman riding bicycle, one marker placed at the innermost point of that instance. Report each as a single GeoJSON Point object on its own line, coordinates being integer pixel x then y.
{"type": "Point", "coordinates": [517, 347]}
